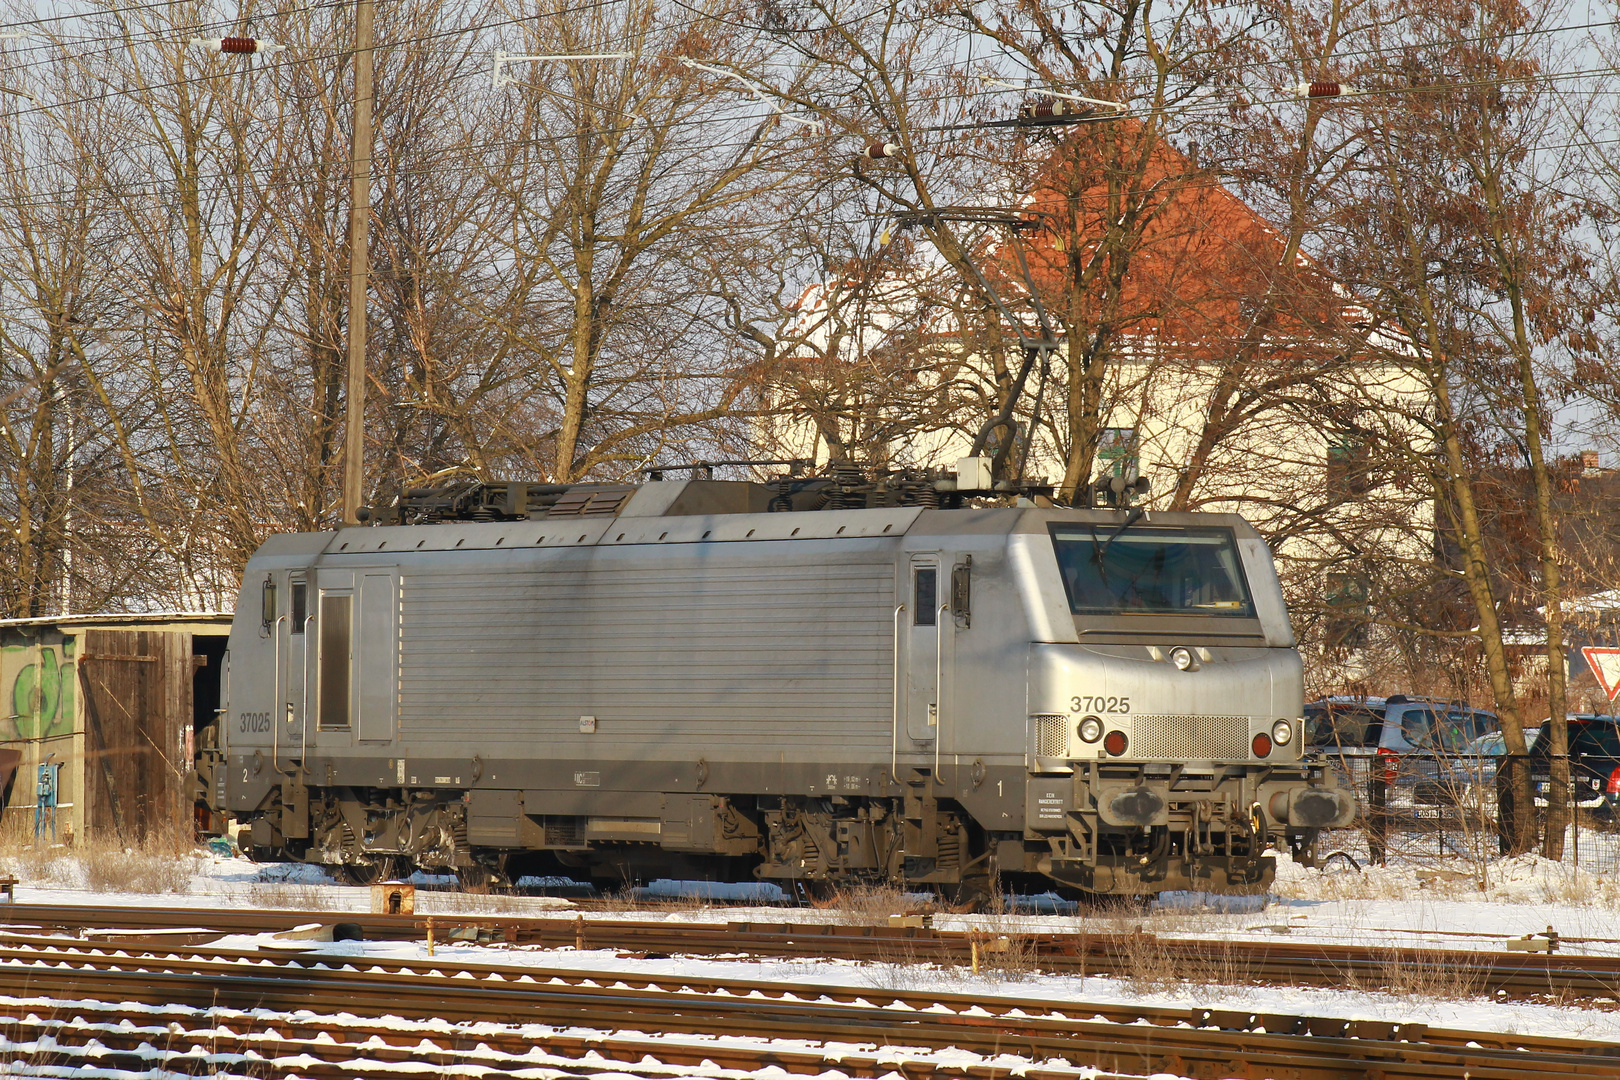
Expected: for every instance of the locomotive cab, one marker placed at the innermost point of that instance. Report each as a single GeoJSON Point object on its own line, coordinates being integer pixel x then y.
{"type": "Point", "coordinates": [1165, 735]}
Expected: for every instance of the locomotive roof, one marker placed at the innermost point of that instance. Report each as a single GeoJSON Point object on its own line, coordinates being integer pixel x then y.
{"type": "Point", "coordinates": [657, 513]}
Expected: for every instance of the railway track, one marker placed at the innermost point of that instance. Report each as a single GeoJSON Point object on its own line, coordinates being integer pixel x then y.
{"type": "Point", "coordinates": [209, 1009]}
{"type": "Point", "coordinates": [1593, 980]}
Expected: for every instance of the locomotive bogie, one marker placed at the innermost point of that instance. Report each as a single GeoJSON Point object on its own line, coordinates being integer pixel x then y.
{"type": "Point", "coordinates": [904, 694]}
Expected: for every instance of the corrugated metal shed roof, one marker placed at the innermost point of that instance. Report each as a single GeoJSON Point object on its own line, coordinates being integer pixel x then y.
{"type": "Point", "coordinates": [125, 618]}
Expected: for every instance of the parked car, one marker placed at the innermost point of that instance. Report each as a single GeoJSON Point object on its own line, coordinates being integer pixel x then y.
{"type": "Point", "coordinates": [1399, 724]}
{"type": "Point", "coordinates": [1594, 762]}
{"type": "Point", "coordinates": [1476, 767]}
{"type": "Point", "coordinates": [1419, 748]}
{"type": "Point", "coordinates": [1485, 751]}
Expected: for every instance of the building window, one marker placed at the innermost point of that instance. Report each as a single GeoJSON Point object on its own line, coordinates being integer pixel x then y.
{"type": "Point", "coordinates": [1349, 462]}
{"type": "Point", "coordinates": [1117, 452]}
{"type": "Point", "coordinates": [1347, 612]}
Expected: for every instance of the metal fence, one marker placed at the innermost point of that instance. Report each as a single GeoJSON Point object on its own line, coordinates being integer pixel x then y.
{"type": "Point", "coordinates": [1439, 805]}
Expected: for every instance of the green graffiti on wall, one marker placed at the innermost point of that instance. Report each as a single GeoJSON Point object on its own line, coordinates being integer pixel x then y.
{"type": "Point", "coordinates": [41, 697]}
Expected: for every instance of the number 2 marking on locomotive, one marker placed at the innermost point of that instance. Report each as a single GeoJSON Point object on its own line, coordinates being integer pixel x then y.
{"type": "Point", "coordinates": [1100, 704]}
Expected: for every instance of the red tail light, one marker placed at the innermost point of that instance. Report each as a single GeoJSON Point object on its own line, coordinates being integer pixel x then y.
{"type": "Point", "coordinates": [1388, 758]}
{"type": "Point", "coordinates": [1614, 782]}
{"type": "Point", "coordinates": [1262, 745]}
{"type": "Point", "coordinates": [1115, 743]}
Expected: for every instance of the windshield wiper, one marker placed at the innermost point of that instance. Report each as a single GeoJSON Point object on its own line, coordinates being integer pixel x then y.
{"type": "Point", "coordinates": [1136, 514]}
{"type": "Point", "coordinates": [1098, 551]}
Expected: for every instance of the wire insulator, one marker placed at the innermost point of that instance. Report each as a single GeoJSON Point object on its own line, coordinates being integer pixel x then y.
{"type": "Point", "coordinates": [1322, 90]}
{"type": "Point", "coordinates": [881, 150]}
{"type": "Point", "coordinates": [237, 45]}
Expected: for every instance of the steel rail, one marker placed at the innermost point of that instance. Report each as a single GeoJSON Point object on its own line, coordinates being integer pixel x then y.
{"type": "Point", "coordinates": [104, 1031]}
{"type": "Point", "coordinates": [293, 952]}
{"type": "Point", "coordinates": [1033, 1029]}
{"type": "Point", "coordinates": [1502, 974]}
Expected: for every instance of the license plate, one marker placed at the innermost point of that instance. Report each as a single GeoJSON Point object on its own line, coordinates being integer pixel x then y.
{"type": "Point", "coordinates": [1427, 812]}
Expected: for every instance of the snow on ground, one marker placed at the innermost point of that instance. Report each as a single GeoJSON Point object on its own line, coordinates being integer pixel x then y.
{"type": "Point", "coordinates": [1453, 903]}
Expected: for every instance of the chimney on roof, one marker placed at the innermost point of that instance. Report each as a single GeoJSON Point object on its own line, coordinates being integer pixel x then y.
{"type": "Point", "coordinates": [1589, 463]}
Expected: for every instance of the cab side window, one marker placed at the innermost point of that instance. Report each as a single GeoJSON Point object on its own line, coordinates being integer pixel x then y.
{"type": "Point", "coordinates": [925, 596]}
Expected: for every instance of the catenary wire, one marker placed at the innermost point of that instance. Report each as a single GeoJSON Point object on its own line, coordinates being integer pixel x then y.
{"type": "Point", "coordinates": [1191, 110]}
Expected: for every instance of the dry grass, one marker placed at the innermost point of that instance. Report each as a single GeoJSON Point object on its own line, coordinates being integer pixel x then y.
{"type": "Point", "coordinates": [1148, 965]}
{"type": "Point", "coordinates": [293, 896]}
{"type": "Point", "coordinates": [490, 903]}
{"type": "Point", "coordinates": [163, 862]}
{"type": "Point", "coordinates": [1580, 889]}
{"type": "Point", "coordinates": [137, 869]}
{"type": "Point", "coordinates": [1005, 950]}
{"type": "Point", "coordinates": [873, 905]}
{"type": "Point", "coordinates": [1379, 884]}
{"type": "Point", "coordinates": [1421, 975]}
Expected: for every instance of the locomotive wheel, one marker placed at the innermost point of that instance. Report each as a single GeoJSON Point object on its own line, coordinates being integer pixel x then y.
{"type": "Point", "coordinates": [969, 895]}
{"type": "Point", "coordinates": [366, 873]}
{"type": "Point", "coordinates": [479, 879]}
{"type": "Point", "coordinates": [819, 892]}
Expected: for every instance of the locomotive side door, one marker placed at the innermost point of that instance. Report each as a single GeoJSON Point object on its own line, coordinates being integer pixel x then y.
{"type": "Point", "coordinates": [295, 663]}
{"type": "Point", "coordinates": [924, 675]}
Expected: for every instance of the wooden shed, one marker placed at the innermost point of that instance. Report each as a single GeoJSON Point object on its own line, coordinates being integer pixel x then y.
{"type": "Point", "coordinates": [116, 701]}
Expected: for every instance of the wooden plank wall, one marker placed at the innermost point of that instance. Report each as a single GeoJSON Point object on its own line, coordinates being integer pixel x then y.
{"type": "Point", "coordinates": [137, 709]}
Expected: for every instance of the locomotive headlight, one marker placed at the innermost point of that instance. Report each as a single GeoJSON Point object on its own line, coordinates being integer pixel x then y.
{"type": "Point", "coordinates": [1282, 733]}
{"type": "Point", "coordinates": [1182, 657]}
{"type": "Point", "coordinates": [1090, 729]}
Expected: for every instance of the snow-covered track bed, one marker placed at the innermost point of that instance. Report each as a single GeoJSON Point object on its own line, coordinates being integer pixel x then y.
{"type": "Point", "coordinates": [1563, 977]}
{"type": "Point", "coordinates": [854, 1031]}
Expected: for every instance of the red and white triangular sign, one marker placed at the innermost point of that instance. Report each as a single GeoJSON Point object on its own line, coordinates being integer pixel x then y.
{"type": "Point", "coordinates": [1605, 664]}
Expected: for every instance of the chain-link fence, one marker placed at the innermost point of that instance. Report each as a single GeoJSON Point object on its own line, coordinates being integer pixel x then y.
{"type": "Point", "coordinates": [1435, 807]}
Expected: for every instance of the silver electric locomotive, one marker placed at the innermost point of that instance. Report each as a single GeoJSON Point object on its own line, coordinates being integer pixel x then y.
{"type": "Point", "coordinates": [720, 679]}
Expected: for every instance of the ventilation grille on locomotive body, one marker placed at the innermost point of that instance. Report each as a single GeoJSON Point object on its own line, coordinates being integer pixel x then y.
{"type": "Point", "coordinates": [1189, 737]}
{"type": "Point", "coordinates": [1051, 735]}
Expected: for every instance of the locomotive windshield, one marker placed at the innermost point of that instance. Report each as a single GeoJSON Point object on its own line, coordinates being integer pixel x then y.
{"type": "Point", "coordinates": [1189, 571]}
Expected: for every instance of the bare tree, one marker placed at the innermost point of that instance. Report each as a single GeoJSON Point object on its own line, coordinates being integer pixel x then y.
{"type": "Point", "coordinates": [630, 166]}
{"type": "Point", "coordinates": [1474, 261]}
